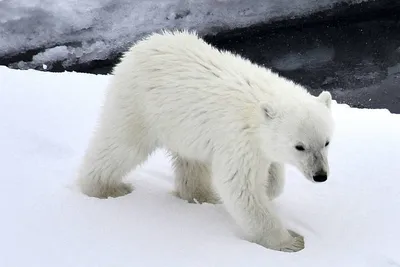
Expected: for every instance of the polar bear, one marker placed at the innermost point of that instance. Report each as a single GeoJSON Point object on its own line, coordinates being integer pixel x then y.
{"type": "Point", "coordinates": [229, 124]}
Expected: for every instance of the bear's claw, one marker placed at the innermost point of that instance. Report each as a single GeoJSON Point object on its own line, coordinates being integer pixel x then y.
{"type": "Point", "coordinates": [295, 244]}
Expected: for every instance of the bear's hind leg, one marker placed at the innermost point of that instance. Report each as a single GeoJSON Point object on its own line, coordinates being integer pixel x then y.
{"type": "Point", "coordinates": [193, 181]}
{"type": "Point", "coordinates": [275, 180]}
{"type": "Point", "coordinates": [112, 153]}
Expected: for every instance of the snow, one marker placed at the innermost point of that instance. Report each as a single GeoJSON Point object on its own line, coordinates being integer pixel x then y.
{"type": "Point", "coordinates": [95, 29]}
{"type": "Point", "coordinates": [45, 122]}
{"type": "Point", "coordinates": [394, 69]}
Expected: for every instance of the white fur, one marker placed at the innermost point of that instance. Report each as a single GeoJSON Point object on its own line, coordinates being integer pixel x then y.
{"type": "Point", "coordinates": [231, 126]}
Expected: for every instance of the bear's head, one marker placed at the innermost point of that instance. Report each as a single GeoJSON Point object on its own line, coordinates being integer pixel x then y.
{"type": "Point", "coordinates": [299, 133]}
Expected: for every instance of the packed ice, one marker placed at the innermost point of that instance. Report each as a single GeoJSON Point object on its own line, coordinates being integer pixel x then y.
{"type": "Point", "coordinates": [77, 32]}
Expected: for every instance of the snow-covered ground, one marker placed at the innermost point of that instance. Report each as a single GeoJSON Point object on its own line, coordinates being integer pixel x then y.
{"type": "Point", "coordinates": [77, 32]}
{"type": "Point", "coordinates": [45, 121]}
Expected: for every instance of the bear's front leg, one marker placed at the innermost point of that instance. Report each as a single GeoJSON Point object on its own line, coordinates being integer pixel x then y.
{"type": "Point", "coordinates": [275, 180]}
{"type": "Point", "coordinates": [239, 181]}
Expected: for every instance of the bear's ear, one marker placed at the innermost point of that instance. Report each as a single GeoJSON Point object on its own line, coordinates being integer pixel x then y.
{"type": "Point", "coordinates": [268, 110]}
{"type": "Point", "coordinates": [326, 98]}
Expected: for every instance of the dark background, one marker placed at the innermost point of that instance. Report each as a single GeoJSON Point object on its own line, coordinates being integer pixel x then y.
{"type": "Point", "coordinates": [351, 50]}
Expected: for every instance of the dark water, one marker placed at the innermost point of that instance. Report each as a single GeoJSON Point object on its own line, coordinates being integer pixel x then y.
{"type": "Point", "coordinates": [358, 61]}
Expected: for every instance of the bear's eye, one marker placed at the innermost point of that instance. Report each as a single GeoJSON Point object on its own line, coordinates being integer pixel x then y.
{"type": "Point", "coordinates": [300, 148]}
{"type": "Point", "coordinates": [327, 143]}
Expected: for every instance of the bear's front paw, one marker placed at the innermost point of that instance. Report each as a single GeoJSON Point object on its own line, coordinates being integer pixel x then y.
{"type": "Point", "coordinates": [294, 244]}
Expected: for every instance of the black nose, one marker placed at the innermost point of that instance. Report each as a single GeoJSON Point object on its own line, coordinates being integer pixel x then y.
{"type": "Point", "coordinates": [320, 177]}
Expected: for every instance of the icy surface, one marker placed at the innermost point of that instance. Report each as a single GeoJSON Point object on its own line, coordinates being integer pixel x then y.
{"type": "Point", "coordinates": [46, 119]}
{"type": "Point", "coordinates": [93, 29]}
{"type": "Point", "coordinates": [309, 59]}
